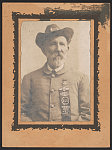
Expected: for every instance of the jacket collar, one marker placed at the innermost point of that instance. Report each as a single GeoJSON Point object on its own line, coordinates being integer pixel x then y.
{"type": "Point", "coordinates": [47, 71]}
{"type": "Point", "coordinates": [56, 70]}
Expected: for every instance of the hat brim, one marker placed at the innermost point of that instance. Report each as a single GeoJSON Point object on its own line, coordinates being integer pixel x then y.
{"type": "Point", "coordinates": [42, 37]}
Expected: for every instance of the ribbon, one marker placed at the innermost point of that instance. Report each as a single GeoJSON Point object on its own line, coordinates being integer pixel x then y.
{"type": "Point", "coordinates": [65, 104]}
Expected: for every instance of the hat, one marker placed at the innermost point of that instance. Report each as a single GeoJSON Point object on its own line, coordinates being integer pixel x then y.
{"type": "Point", "coordinates": [53, 31]}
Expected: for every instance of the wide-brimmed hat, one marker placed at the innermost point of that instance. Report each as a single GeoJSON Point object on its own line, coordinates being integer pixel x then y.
{"type": "Point", "coordinates": [53, 31]}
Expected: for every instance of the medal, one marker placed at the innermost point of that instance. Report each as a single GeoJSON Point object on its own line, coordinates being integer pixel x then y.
{"type": "Point", "coordinates": [65, 101]}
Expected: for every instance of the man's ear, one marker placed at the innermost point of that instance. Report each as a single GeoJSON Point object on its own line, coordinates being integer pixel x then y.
{"type": "Point", "coordinates": [68, 48]}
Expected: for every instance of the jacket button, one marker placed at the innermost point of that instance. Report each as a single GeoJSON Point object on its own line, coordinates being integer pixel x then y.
{"type": "Point", "coordinates": [53, 75]}
{"type": "Point", "coordinates": [52, 90]}
{"type": "Point", "coordinates": [52, 105]}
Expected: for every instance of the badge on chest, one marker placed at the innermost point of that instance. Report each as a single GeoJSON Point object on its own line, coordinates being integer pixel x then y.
{"type": "Point", "coordinates": [65, 101]}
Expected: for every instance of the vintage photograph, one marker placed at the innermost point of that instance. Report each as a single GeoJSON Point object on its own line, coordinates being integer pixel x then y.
{"type": "Point", "coordinates": [55, 70]}
{"type": "Point", "coordinates": [55, 75]}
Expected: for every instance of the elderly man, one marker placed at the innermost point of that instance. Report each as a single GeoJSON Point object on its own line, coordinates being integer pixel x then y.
{"type": "Point", "coordinates": [54, 92]}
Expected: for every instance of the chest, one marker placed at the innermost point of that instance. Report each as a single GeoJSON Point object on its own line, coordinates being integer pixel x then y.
{"type": "Point", "coordinates": [46, 84]}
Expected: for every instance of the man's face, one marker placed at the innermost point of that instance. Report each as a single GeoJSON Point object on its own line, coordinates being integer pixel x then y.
{"type": "Point", "coordinates": [56, 51]}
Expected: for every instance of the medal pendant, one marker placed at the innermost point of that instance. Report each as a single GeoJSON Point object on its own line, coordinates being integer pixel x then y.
{"type": "Point", "coordinates": [65, 103]}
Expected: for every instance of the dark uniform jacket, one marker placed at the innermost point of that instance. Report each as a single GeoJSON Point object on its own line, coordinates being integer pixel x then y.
{"type": "Point", "coordinates": [50, 96]}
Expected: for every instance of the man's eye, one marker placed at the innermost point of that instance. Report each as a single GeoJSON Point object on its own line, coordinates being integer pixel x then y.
{"type": "Point", "coordinates": [62, 44]}
{"type": "Point", "coordinates": [53, 43]}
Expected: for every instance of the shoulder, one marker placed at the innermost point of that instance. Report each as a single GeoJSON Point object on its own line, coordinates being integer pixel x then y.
{"type": "Point", "coordinates": [78, 77]}
{"type": "Point", "coordinates": [34, 74]}
{"type": "Point", "coordinates": [77, 74]}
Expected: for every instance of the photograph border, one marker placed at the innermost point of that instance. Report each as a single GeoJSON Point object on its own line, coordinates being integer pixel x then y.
{"type": "Point", "coordinates": [102, 139]}
{"type": "Point", "coordinates": [97, 15]}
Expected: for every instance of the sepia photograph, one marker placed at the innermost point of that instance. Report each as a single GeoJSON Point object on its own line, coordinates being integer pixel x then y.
{"type": "Point", "coordinates": [56, 66]}
{"type": "Point", "coordinates": [55, 70]}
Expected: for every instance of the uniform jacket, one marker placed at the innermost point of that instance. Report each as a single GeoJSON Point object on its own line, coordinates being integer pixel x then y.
{"type": "Point", "coordinates": [40, 97]}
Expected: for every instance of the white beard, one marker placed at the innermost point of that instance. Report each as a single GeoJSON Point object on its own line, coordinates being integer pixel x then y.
{"type": "Point", "coordinates": [56, 62]}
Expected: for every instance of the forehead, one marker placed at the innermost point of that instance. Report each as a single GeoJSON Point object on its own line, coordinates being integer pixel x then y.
{"type": "Point", "coordinates": [58, 39]}
{"type": "Point", "coordinates": [55, 39]}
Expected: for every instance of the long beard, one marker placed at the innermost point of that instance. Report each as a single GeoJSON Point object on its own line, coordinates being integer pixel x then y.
{"type": "Point", "coordinates": [56, 60]}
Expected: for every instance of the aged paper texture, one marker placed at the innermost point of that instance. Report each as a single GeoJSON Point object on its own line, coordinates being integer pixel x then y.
{"type": "Point", "coordinates": [20, 23]}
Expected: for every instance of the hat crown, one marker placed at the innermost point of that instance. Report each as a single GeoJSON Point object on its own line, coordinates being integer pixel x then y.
{"type": "Point", "coordinates": [52, 28]}
{"type": "Point", "coordinates": [53, 31]}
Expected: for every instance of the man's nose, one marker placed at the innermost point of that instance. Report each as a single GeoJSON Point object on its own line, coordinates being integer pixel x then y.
{"type": "Point", "coordinates": [59, 47]}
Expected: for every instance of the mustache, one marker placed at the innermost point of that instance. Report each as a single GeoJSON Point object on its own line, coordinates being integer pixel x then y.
{"type": "Point", "coordinates": [55, 54]}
